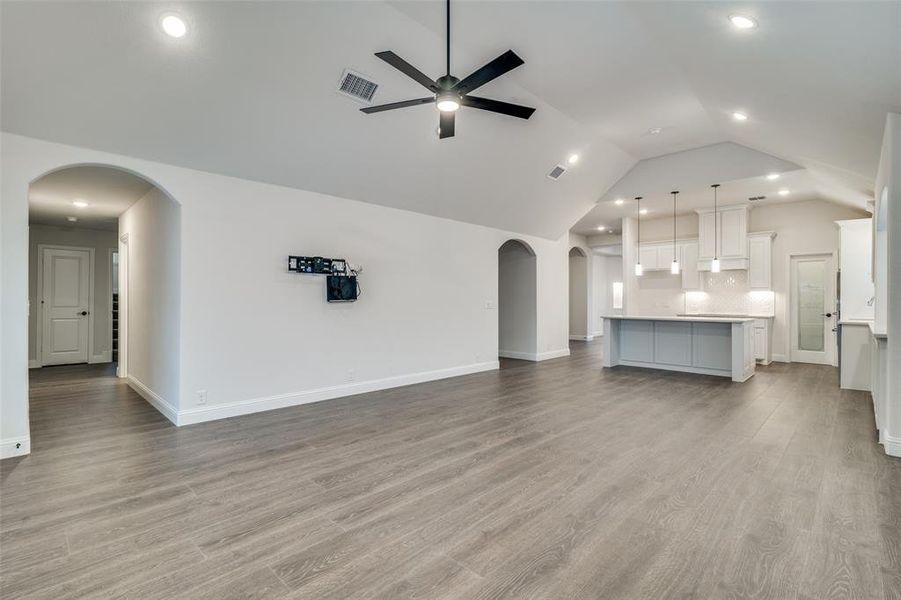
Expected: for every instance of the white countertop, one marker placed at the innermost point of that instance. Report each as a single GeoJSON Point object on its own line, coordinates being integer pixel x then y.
{"type": "Point", "coordinates": [685, 319]}
{"type": "Point", "coordinates": [727, 315]}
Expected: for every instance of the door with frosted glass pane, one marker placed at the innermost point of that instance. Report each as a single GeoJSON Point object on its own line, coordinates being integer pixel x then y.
{"type": "Point", "coordinates": [812, 309]}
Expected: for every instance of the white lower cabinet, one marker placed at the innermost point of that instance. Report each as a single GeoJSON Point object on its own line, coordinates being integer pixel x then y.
{"type": "Point", "coordinates": [763, 340]}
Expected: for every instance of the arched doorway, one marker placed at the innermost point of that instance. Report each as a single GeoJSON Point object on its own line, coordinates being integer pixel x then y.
{"type": "Point", "coordinates": [517, 301]}
{"type": "Point", "coordinates": [578, 294]}
{"type": "Point", "coordinates": [104, 266]}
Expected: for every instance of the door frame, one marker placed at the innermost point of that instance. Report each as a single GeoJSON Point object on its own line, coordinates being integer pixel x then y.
{"type": "Point", "coordinates": [39, 325]}
{"type": "Point", "coordinates": [109, 295]}
{"type": "Point", "coordinates": [122, 364]}
{"type": "Point", "coordinates": [790, 298]}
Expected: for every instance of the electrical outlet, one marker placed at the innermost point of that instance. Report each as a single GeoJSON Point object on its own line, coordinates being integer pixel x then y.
{"type": "Point", "coordinates": [489, 304]}
{"type": "Point", "coordinates": [201, 397]}
{"type": "Point", "coordinates": [351, 375]}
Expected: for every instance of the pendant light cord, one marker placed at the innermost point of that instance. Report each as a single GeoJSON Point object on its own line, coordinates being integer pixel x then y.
{"type": "Point", "coordinates": [638, 200]}
{"type": "Point", "coordinates": [674, 226]}
{"type": "Point", "coordinates": [715, 228]}
{"type": "Point", "coordinates": [448, 37]}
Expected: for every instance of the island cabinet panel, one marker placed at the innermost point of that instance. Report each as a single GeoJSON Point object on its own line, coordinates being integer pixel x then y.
{"type": "Point", "coordinates": [712, 345]}
{"type": "Point", "coordinates": [637, 341]}
{"type": "Point", "coordinates": [672, 343]}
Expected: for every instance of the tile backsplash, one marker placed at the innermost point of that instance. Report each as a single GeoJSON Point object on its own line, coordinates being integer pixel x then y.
{"type": "Point", "coordinates": [728, 292]}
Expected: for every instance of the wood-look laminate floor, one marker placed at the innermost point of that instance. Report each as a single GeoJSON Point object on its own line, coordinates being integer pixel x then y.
{"type": "Point", "coordinates": [551, 480]}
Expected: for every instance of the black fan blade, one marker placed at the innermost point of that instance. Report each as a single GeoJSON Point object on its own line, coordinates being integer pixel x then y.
{"type": "Point", "coordinates": [505, 108]}
{"type": "Point", "coordinates": [393, 105]}
{"type": "Point", "coordinates": [500, 65]}
{"type": "Point", "coordinates": [446, 125]}
{"type": "Point", "coordinates": [407, 69]}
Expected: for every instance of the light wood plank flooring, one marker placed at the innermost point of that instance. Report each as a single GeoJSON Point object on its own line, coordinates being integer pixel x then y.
{"type": "Point", "coordinates": [556, 480]}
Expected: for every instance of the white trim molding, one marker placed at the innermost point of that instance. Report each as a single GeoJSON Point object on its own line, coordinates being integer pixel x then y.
{"type": "Point", "coordinates": [154, 399]}
{"type": "Point", "coordinates": [533, 356]}
{"type": "Point", "coordinates": [552, 354]}
{"type": "Point", "coordinates": [780, 358]}
{"type": "Point", "coordinates": [581, 338]}
{"type": "Point", "coordinates": [15, 447]}
{"type": "Point", "coordinates": [891, 444]}
{"type": "Point", "coordinates": [244, 407]}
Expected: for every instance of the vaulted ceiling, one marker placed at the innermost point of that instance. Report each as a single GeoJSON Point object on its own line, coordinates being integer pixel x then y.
{"type": "Point", "coordinates": [250, 92]}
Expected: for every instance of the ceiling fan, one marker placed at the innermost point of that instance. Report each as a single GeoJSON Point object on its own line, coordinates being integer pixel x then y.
{"type": "Point", "coordinates": [450, 93]}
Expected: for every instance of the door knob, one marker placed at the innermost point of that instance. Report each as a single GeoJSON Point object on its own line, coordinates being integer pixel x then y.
{"type": "Point", "coordinates": [83, 313]}
{"type": "Point", "coordinates": [827, 314]}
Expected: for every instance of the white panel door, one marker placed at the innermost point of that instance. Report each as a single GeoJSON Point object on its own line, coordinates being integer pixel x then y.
{"type": "Point", "coordinates": [66, 297]}
{"type": "Point", "coordinates": [706, 234]}
{"type": "Point", "coordinates": [648, 257]}
{"type": "Point", "coordinates": [733, 239]}
{"type": "Point", "coordinates": [812, 309]}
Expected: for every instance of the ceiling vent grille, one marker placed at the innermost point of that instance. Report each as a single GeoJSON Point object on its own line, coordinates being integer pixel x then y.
{"type": "Point", "coordinates": [556, 172]}
{"type": "Point", "coordinates": [756, 198]}
{"type": "Point", "coordinates": [356, 86]}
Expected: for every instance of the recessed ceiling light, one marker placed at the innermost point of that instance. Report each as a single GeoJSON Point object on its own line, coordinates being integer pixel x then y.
{"type": "Point", "coordinates": [79, 204]}
{"type": "Point", "coordinates": [784, 192]}
{"type": "Point", "coordinates": [643, 211]}
{"type": "Point", "coordinates": [71, 219]}
{"type": "Point", "coordinates": [601, 228]}
{"type": "Point", "coordinates": [619, 201]}
{"type": "Point", "coordinates": [742, 21]}
{"type": "Point", "coordinates": [772, 176]}
{"type": "Point", "coordinates": [655, 130]}
{"type": "Point", "coordinates": [573, 159]}
{"type": "Point", "coordinates": [174, 26]}
{"type": "Point", "coordinates": [738, 116]}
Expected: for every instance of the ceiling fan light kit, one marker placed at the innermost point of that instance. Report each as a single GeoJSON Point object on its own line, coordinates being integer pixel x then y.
{"type": "Point", "coordinates": [450, 93]}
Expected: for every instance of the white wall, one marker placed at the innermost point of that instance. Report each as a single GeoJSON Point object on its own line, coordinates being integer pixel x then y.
{"type": "Point", "coordinates": [578, 293]}
{"type": "Point", "coordinates": [606, 269]}
{"type": "Point", "coordinates": [102, 242]}
{"type": "Point", "coordinates": [888, 182]}
{"type": "Point", "coordinates": [256, 337]}
{"type": "Point", "coordinates": [152, 226]}
{"type": "Point", "coordinates": [517, 301]}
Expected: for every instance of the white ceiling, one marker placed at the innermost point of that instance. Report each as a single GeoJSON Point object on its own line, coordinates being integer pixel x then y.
{"type": "Point", "coordinates": [250, 93]}
{"type": "Point", "coordinates": [108, 192]}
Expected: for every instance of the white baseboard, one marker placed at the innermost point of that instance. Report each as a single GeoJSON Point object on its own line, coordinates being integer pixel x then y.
{"type": "Point", "coordinates": [780, 358]}
{"type": "Point", "coordinates": [552, 354]}
{"type": "Point", "coordinates": [892, 444]}
{"type": "Point", "coordinates": [15, 447]}
{"type": "Point", "coordinates": [581, 338]}
{"type": "Point", "coordinates": [155, 400]}
{"type": "Point", "coordinates": [233, 409]}
{"type": "Point", "coordinates": [597, 334]}
{"type": "Point", "coordinates": [533, 356]}
{"type": "Point", "coordinates": [34, 364]}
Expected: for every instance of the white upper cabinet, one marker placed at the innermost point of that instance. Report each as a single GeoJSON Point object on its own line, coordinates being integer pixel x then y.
{"type": "Point", "coordinates": [723, 234]}
{"type": "Point", "coordinates": [760, 255]}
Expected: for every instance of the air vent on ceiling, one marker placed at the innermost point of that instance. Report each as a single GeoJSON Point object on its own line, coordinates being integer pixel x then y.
{"type": "Point", "coordinates": [556, 172]}
{"type": "Point", "coordinates": [756, 198]}
{"type": "Point", "coordinates": [357, 86]}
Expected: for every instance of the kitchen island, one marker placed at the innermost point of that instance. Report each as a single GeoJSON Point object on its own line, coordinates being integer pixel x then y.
{"type": "Point", "coordinates": [707, 345]}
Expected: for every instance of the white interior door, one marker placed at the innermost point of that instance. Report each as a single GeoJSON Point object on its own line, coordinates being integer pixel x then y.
{"type": "Point", "coordinates": [66, 298]}
{"type": "Point", "coordinates": [812, 309]}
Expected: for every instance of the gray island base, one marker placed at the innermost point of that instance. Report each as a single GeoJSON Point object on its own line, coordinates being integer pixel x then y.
{"type": "Point", "coordinates": [705, 345]}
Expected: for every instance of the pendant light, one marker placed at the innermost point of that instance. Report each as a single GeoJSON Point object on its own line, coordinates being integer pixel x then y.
{"type": "Point", "coordinates": [674, 268]}
{"type": "Point", "coordinates": [715, 263]}
{"type": "Point", "coordinates": [638, 269]}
